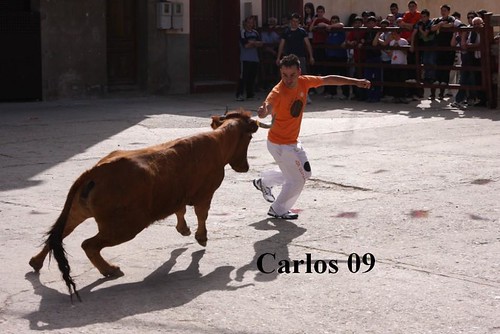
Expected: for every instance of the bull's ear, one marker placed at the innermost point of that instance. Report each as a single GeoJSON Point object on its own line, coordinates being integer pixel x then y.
{"type": "Point", "coordinates": [217, 121]}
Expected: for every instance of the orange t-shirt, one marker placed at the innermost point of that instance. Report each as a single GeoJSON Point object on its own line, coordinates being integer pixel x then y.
{"type": "Point", "coordinates": [288, 107]}
{"type": "Point", "coordinates": [412, 18]}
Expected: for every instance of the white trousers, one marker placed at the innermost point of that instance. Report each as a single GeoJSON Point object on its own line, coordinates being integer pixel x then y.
{"type": "Point", "coordinates": [294, 170]}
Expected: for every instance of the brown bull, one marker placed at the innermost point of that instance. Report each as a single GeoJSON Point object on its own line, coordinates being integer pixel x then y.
{"type": "Point", "coordinates": [128, 190]}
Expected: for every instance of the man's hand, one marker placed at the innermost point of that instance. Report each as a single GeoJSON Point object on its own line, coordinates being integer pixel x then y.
{"type": "Point", "coordinates": [363, 83]}
{"type": "Point", "coordinates": [264, 110]}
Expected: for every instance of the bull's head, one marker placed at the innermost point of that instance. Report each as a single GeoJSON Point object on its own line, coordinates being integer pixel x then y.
{"type": "Point", "coordinates": [244, 127]}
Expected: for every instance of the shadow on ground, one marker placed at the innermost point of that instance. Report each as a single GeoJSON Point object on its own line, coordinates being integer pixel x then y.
{"type": "Point", "coordinates": [162, 289]}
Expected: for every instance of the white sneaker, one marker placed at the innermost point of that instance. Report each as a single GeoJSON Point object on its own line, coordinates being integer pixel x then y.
{"type": "Point", "coordinates": [266, 191]}
{"type": "Point", "coordinates": [289, 215]}
{"type": "Point", "coordinates": [411, 81]}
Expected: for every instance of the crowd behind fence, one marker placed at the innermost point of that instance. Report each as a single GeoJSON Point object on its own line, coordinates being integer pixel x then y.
{"type": "Point", "coordinates": [487, 68]}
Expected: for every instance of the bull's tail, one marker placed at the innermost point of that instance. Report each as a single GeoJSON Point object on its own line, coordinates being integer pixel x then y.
{"type": "Point", "coordinates": [56, 235]}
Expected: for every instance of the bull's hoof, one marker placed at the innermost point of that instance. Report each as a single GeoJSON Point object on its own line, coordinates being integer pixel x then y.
{"type": "Point", "coordinates": [36, 264]}
{"type": "Point", "coordinates": [184, 231]}
{"type": "Point", "coordinates": [114, 272]}
{"type": "Point", "coordinates": [202, 242]}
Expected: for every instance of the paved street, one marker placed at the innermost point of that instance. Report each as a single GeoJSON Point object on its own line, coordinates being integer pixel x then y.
{"type": "Point", "coordinates": [410, 191]}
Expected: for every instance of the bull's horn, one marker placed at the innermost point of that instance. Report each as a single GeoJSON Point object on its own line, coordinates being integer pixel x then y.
{"type": "Point", "coordinates": [263, 125]}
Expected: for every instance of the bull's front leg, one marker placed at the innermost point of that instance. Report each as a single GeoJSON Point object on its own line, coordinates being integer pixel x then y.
{"type": "Point", "coordinates": [181, 226]}
{"type": "Point", "coordinates": [201, 211]}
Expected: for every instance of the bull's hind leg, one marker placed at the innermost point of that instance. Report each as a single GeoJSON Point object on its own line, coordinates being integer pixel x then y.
{"type": "Point", "coordinates": [108, 238]}
{"type": "Point", "coordinates": [201, 211]}
{"type": "Point", "coordinates": [73, 221]}
{"type": "Point", "coordinates": [181, 226]}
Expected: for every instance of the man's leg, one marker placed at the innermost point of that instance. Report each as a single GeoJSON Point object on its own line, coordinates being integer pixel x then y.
{"type": "Point", "coordinates": [295, 169]}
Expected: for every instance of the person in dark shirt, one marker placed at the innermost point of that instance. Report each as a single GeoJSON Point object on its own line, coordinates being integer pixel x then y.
{"type": "Point", "coordinates": [443, 38]}
{"type": "Point", "coordinates": [295, 40]}
{"type": "Point", "coordinates": [372, 57]}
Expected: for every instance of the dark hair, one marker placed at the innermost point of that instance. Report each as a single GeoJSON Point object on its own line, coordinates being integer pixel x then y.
{"type": "Point", "coordinates": [289, 61]}
{"type": "Point", "coordinates": [320, 8]}
{"type": "Point", "coordinates": [425, 12]}
{"type": "Point", "coordinates": [412, 2]}
{"type": "Point", "coordinates": [394, 5]}
{"type": "Point", "coordinates": [357, 18]}
{"type": "Point", "coordinates": [372, 18]}
{"type": "Point", "coordinates": [446, 6]}
{"type": "Point", "coordinates": [456, 15]}
{"type": "Point", "coordinates": [473, 13]}
{"type": "Point", "coordinates": [384, 21]}
{"type": "Point", "coordinates": [311, 7]}
{"type": "Point", "coordinates": [350, 19]}
{"type": "Point", "coordinates": [335, 17]}
{"type": "Point", "coordinates": [295, 16]}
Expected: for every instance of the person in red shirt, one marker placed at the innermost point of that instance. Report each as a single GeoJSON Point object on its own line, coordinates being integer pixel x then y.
{"type": "Point", "coordinates": [320, 34]}
{"type": "Point", "coordinates": [285, 103]}
{"type": "Point", "coordinates": [410, 19]}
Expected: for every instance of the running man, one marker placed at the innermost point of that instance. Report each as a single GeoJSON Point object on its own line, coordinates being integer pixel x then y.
{"type": "Point", "coordinates": [285, 103]}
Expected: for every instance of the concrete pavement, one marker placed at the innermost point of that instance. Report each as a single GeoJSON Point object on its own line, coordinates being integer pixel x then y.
{"type": "Point", "coordinates": [416, 186]}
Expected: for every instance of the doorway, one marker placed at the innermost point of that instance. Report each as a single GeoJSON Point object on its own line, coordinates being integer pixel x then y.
{"type": "Point", "coordinates": [214, 44]}
{"type": "Point", "coordinates": [122, 43]}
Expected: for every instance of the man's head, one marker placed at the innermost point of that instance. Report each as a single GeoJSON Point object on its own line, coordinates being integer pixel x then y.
{"type": "Point", "coordinates": [445, 10]}
{"type": "Point", "coordinates": [249, 22]}
{"type": "Point", "coordinates": [412, 6]}
{"type": "Point", "coordinates": [294, 21]}
{"type": "Point", "coordinates": [371, 22]}
{"type": "Point", "coordinates": [357, 22]}
{"type": "Point", "coordinates": [290, 70]}
{"type": "Point", "coordinates": [477, 22]}
{"type": "Point", "coordinates": [335, 19]}
{"type": "Point", "coordinates": [425, 15]}
{"type": "Point", "coordinates": [470, 16]}
{"type": "Point", "coordinates": [394, 8]}
{"type": "Point", "coordinates": [320, 11]}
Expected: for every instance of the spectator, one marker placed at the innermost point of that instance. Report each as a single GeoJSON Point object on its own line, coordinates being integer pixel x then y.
{"type": "Point", "coordinates": [392, 20]}
{"type": "Point", "coordinates": [309, 16]}
{"type": "Point", "coordinates": [423, 37]}
{"type": "Point", "coordinates": [394, 9]}
{"type": "Point", "coordinates": [398, 75]}
{"type": "Point", "coordinates": [336, 56]}
{"type": "Point", "coordinates": [271, 39]}
{"type": "Point", "coordinates": [365, 15]}
{"type": "Point", "coordinates": [410, 19]}
{"type": "Point", "coordinates": [320, 34]}
{"type": "Point", "coordinates": [467, 78]}
{"type": "Point", "coordinates": [294, 40]}
{"type": "Point", "coordinates": [454, 74]}
{"type": "Point", "coordinates": [350, 20]}
{"type": "Point", "coordinates": [372, 57]}
{"type": "Point", "coordinates": [384, 38]}
{"type": "Point", "coordinates": [443, 39]}
{"type": "Point", "coordinates": [249, 58]}
{"type": "Point", "coordinates": [285, 22]}
{"type": "Point", "coordinates": [478, 22]}
{"type": "Point", "coordinates": [354, 41]}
